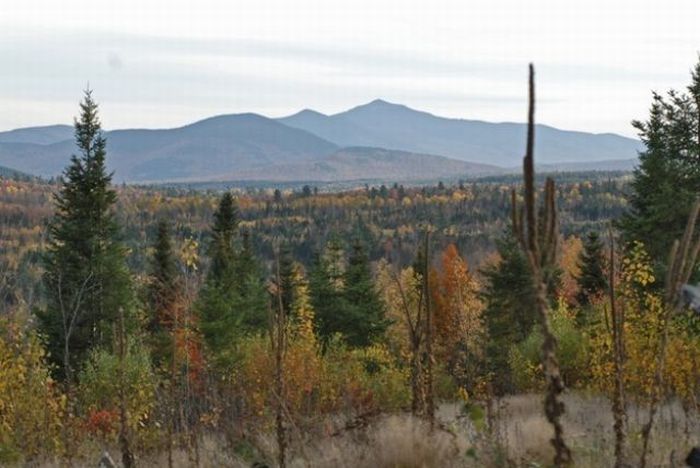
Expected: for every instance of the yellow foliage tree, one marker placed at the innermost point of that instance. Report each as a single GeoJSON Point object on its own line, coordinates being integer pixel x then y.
{"type": "Point", "coordinates": [31, 407]}
{"type": "Point", "coordinates": [643, 311]}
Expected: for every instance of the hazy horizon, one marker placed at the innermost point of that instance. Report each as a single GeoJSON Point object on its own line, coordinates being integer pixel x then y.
{"type": "Point", "coordinates": [163, 65]}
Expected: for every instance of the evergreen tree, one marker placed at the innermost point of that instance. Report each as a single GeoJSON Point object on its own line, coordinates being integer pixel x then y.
{"type": "Point", "coordinates": [326, 285]}
{"type": "Point", "coordinates": [219, 300]}
{"type": "Point", "coordinates": [287, 278]}
{"type": "Point", "coordinates": [221, 248]}
{"type": "Point", "coordinates": [251, 287]}
{"type": "Point", "coordinates": [86, 278]}
{"type": "Point", "coordinates": [246, 263]}
{"type": "Point", "coordinates": [344, 298]}
{"type": "Point", "coordinates": [510, 312]}
{"type": "Point", "coordinates": [365, 322]}
{"type": "Point", "coordinates": [162, 293]}
{"type": "Point", "coordinates": [232, 301]}
{"type": "Point", "coordinates": [667, 180]}
{"type": "Point", "coordinates": [591, 280]}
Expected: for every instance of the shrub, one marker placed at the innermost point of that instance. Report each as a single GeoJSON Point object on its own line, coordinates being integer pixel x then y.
{"type": "Point", "coordinates": [31, 406]}
{"type": "Point", "coordinates": [572, 353]}
{"type": "Point", "coordinates": [99, 388]}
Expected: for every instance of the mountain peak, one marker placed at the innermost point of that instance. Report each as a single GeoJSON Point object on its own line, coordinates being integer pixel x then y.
{"type": "Point", "coordinates": [308, 113]}
{"type": "Point", "coordinates": [378, 105]}
{"type": "Point", "coordinates": [381, 103]}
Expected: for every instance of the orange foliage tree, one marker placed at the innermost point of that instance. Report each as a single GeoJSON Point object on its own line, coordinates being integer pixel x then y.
{"type": "Point", "coordinates": [459, 328]}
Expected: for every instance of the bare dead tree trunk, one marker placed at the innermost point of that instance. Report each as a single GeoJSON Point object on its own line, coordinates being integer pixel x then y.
{"type": "Point", "coordinates": [540, 249]}
{"type": "Point", "coordinates": [417, 394]}
{"type": "Point", "coordinates": [190, 414]}
{"type": "Point", "coordinates": [429, 401]}
{"type": "Point", "coordinates": [174, 401]}
{"type": "Point", "coordinates": [127, 455]}
{"type": "Point", "coordinates": [682, 262]}
{"type": "Point", "coordinates": [279, 344]}
{"type": "Point", "coordinates": [619, 405]}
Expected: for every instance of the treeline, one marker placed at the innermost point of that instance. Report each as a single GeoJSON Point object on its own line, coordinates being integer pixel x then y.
{"type": "Point", "coordinates": [388, 222]}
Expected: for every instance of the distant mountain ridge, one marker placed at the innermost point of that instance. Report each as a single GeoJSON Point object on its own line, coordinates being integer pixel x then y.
{"type": "Point", "coordinates": [199, 151]}
{"type": "Point", "coordinates": [45, 135]}
{"type": "Point", "coordinates": [386, 125]}
{"type": "Point", "coordinates": [378, 140]}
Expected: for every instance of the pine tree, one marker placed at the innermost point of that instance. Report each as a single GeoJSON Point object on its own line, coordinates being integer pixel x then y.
{"type": "Point", "coordinates": [326, 297]}
{"type": "Point", "coordinates": [251, 287]}
{"type": "Point", "coordinates": [233, 300]}
{"type": "Point", "coordinates": [221, 248]}
{"type": "Point", "coordinates": [219, 302]}
{"type": "Point", "coordinates": [162, 293]}
{"type": "Point", "coordinates": [86, 278]}
{"type": "Point", "coordinates": [510, 312]}
{"type": "Point", "coordinates": [591, 280]}
{"type": "Point", "coordinates": [666, 181]}
{"type": "Point", "coordinates": [344, 297]}
{"type": "Point", "coordinates": [326, 284]}
{"type": "Point", "coordinates": [287, 279]}
{"type": "Point", "coordinates": [365, 322]}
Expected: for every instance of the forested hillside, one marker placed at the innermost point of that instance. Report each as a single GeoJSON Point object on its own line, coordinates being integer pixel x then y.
{"type": "Point", "coordinates": [389, 221]}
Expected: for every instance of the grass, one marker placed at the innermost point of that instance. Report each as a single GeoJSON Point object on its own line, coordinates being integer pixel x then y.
{"type": "Point", "coordinates": [519, 437]}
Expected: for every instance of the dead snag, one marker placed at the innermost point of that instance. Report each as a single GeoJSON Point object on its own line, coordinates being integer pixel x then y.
{"type": "Point", "coordinates": [619, 406]}
{"type": "Point", "coordinates": [429, 399]}
{"type": "Point", "coordinates": [278, 337]}
{"type": "Point", "coordinates": [539, 242]}
{"type": "Point", "coordinates": [127, 455]}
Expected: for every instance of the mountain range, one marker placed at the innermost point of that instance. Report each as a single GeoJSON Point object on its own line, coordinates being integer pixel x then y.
{"type": "Point", "coordinates": [378, 140]}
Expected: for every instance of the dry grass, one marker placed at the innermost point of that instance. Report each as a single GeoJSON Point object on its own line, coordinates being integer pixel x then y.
{"type": "Point", "coordinates": [520, 438]}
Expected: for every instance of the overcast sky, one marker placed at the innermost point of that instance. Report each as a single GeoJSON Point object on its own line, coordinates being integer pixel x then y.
{"type": "Point", "coordinates": [167, 63]}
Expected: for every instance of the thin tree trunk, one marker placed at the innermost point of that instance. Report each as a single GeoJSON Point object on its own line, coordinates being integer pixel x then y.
{"type": "Point", "coordinates": [280, 322]}
{"type": "Point", "coordinates": [417, 397]}
{"type": "Point", "coordinates": [540, 249]}
{"type": "Point", "coordinates": [127, 456]}
{"type": "Point", "coordinates": [619, 404]}
{"type": "Point", "coordinates": [429, 402]}
{"type": "Point", "coordinates": [174, 403]}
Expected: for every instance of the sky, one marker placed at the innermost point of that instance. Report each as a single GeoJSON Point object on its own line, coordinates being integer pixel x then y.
{"type": "Point", "coordinates": [157, 64]}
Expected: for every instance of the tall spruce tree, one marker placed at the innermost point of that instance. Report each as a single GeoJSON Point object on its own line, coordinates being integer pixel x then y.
{"type": "Point", "coordinates": [667, 180]}
{"type": "Point", "coordinates": [219, 300]}
{"type": "Point", "coordinates": [365, 322]}
{"type": "Point", "coordinates": [343, 296]}
{"type": "Point", "coordinates": [287, 278]}
{"type": "Point", "coordinates": [162, 293]}
{"type": "Point", "coordinates": [591, 280]}
{"type": "Point", "coordinates": [251, 287]}
{"type": "Point", "coordinates": [510, 313]}
{"type": "Point", "coordinates": [326, 285]}
{"type": "Point", "coordinates": [86, 278]}
{"type": "Point", "coordinates": [232, 301]}
{"type": "Point", "coordinates": [224, 230]}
